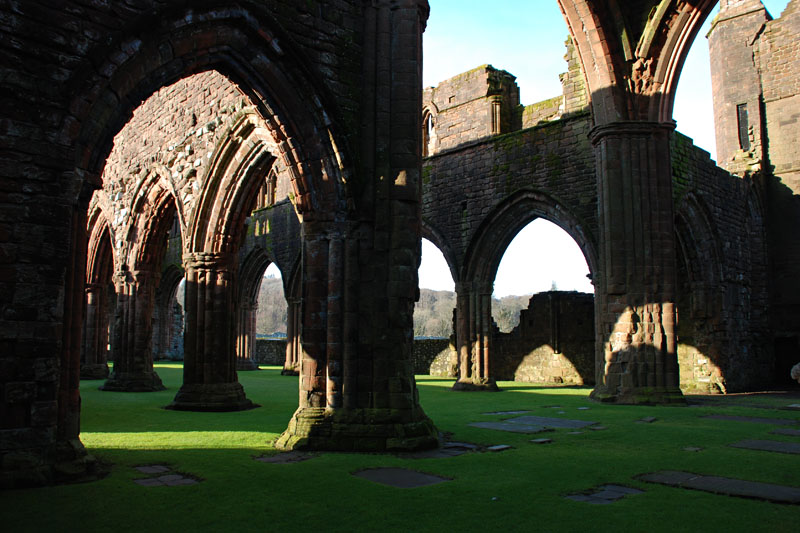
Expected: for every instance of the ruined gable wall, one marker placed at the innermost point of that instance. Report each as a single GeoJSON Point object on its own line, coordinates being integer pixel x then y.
{"type": "Point", "coordinates": [735, 81]}
{"type": "Point", "coordinates": [462, 106]}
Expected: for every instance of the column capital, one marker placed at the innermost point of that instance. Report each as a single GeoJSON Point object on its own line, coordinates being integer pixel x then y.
{"type": "Point", "coordinates": [628, 128]}
{"type": "Point", "coordinates": [208, 260]}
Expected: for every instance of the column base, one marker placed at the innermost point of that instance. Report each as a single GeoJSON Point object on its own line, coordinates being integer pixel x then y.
{"type": "Point", "coordinates": [290, 372]}
{"type": "Point", "coordinates": [133, 382]}
{"type": "Point", "coordinates": [639, 396]}
{"type": "Point", "coordinates": [358, 430]}
{"type": "Point", "coordinates": [211, 397]}
{"type": "Point", "coordinates": [246, 365]}
{"type": "Point", "coordinates": [64, 462]}
{"type": "Point", "coordinates": [488, 385]}
{"type": "Point", "coordinates": [98, 371]}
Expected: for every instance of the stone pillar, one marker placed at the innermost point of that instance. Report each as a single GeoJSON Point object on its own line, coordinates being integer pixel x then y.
{"type": "Point", "coordinates": [68, 456]}
{"type": "Point", "coordinates": [132, 334]}
{"type": "Point", "coordinates": [635, 307]}
{"type": "Point", "coordinates": [209, 364]}
{"type": "Point", "coordinates": [94, 354]}
{"type": "Point", "coordinates": [246, 336]}
{"type": "Point", "coordinates": [474, 336]}
{"type": "Point", "coordinates": [357, 389]}
{"type": "Point", "coordinates": [292, 365]}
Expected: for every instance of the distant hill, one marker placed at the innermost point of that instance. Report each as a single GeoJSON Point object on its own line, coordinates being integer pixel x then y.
{"type": "Point", "coordinates": [433, 314]}
{"type": "Point", "coordinates": [272, 307]}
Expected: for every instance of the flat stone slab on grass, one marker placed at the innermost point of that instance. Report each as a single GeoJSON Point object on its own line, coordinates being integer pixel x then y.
{"type": "Point", "coordinates": [511, 426]}
{"type": "Point", "coordinates": [727, 486]}
{"type": "Point", "coordinates": [787, 431]}
{"type": "Point", "coordinates": [152, 469]}
{"type": "Point", "coordinates": [169, 480]}
{"type": "Point", "coordinates": [755, 419]}
{"type": "Point", "coordinates": [604, 495]}
{"type": "Point", "coordinates": [507, 412]}
{"type": "Point", "coordinates": [550, 422]}
{"type": "Point", "coordinates": [400, 477]}
{"type": "Point", "coordinates": [768, 446]}
{"type": "Point", "coordinates": [448, 449]}
{"type": "Point", "coordinates": [286, 458]}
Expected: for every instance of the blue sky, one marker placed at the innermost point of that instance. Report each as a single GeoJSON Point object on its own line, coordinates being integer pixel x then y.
{"type": "Point", "coordinates": [527, 38]}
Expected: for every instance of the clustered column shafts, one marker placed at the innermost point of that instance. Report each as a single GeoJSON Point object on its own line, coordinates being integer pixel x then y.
{"type": "Point", "coordinates": [357, 390]}
{"type": "Point", "coordinates": [246, 336]}
{"type": "Point", "coordinates": [474, 335]}
{"type": "Point", "coordinates": [210, 382]}
{"type": "Point", "coordinates": [94, 354]}
{"type": "Point", "coordinates": [132, 333]}
{"type": "Point", "coordinates": [636, 326]}
{"type": "Point", "coordinates": [291, 366]}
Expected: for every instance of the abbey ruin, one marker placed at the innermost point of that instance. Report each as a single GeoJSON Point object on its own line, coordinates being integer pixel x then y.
{"type": "Point", "coordinates": [147, 143]}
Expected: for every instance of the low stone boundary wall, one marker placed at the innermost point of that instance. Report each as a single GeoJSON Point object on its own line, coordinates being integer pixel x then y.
{"type": "Point", "coordinates": [270, 352]}
{"type": "Point", "coordinates": [436, 357]}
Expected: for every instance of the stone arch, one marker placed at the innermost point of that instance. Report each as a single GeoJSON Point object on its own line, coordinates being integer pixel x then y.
{"type": "Point", "coordinates": [474, 324]}
{"type": "Point", "coordinates": [246, 45]}
{"type": "Point", "coordinates": [239, 165]}
{"type": "Point", "coordinates": [429, 138]}
{"type": "Point", "coordinates": [430, 232]}
{"type": "Point", "coordinates": [153, 212]}
{"type": "Point", "coordinates": [99, 271]}
{"type": "Point", "coordinates": [501, 226]}
{"type": "Point", "coordinates": [632, 56]}
{"type": "Point", "coordinates": [700, 354]}
{"type": "Point", "coordinates": [100, 259]}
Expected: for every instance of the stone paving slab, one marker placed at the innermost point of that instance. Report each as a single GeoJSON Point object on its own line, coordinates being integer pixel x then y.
{"type": "Point", "coordinates": [768, 446]}
{"type": "Point", "coordinates": [755, 419]}
{"type": "Point", "coordinates": [400, 477]}
{"type": "Point", "coordinates": [511, 426]}
{"type": "Point", "coordinates": [787, 431]}
{"type": "Point", "coordinates": [507, 412]}
{"type": "Point", "coordinates": [727, 486]}
{"type": "Point", "coordinates": [448, 449]}
{"type": "Point", "coordinates": [605, 495]}
{"type": "Point", "coordinates": [550, 422]}
{"type": "Point", "coordinates": [169, 480]}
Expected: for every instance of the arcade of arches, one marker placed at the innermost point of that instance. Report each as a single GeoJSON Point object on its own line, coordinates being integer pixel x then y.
{"type": "Point", "coordinates": [146, 144]}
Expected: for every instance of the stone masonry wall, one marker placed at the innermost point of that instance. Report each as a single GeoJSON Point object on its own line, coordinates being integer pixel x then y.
{"type": "Point", "coordinates": [735, 81]}
{"type": "Point", "coordinates": [778, 58]}
{"type": "Point", "coordinates": [722, 303]}
{"type": "Point", "coordinates": [461, 187]}
{"type": "Point", "coordinates": [554, 342]}
{"type": "Point", "coordinates": [462, 106]}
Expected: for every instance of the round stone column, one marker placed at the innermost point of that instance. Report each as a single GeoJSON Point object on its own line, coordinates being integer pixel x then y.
{"type": "Point", "coordinates": [210, 382]}
{"type": "Point", "coordinates": [94, 354]}
{"type": "Point", "coordinates": [132, 334]}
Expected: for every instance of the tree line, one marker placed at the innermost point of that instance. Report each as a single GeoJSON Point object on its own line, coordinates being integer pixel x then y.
{"type": "Point", "coordinates": [433, 313]}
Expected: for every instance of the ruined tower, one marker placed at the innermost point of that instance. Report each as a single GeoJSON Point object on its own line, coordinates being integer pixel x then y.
{"type": "Point", "coordinates": [755, 75]}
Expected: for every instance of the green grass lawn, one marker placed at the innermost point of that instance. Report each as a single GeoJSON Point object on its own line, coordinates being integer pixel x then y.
{"type": "Point", "coordinates": [521, 489]}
